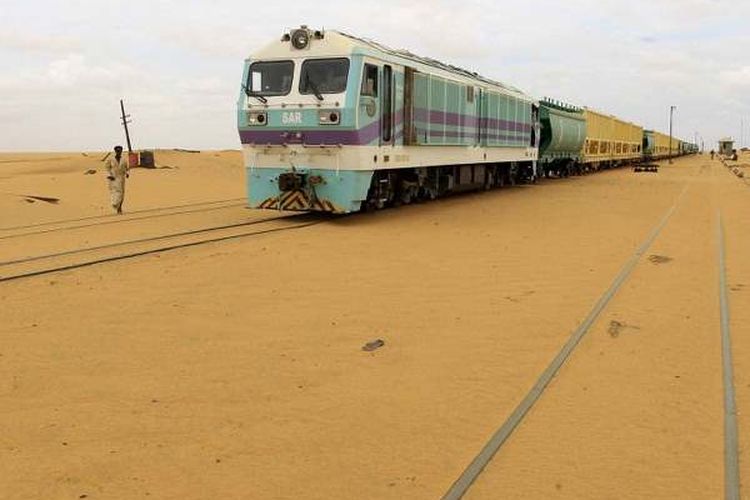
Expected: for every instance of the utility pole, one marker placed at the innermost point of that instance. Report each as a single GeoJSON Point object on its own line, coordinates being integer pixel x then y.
{"type": "Point", "coordinates": [671, 113]}
{"type": "Point", "coordinates": [125, 121]}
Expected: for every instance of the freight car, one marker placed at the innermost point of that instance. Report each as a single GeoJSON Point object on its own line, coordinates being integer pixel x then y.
{"type": "Point", "coordinates": [691, 148]}
{"type": "Point", "coordinates": [332, 122]}
{"type": "Point", "coordinates": [656, 145]}
{"type": "Point", "coordinates": [688, 148]}
{"type": "Point", "coordinates": [562, 135]}
{"type": "Point", "coordinates": [610, 141]}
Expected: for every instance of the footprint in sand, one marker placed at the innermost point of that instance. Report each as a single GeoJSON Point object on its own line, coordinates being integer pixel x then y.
{"type": "Point", "coordinates": [616, 327]}
{"type": "Point", "coordinates": [659, 259]}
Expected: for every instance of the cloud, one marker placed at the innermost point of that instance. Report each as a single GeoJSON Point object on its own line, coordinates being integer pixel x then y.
{"type": "Point", "coordinates": [218, 40]}
{"type": "Point", "coordinates": [739, 77]}
{"type": "Point", "coordinates": [38, 43]}
{"type": "Point", "coordinates": [71, 74]}
{"type": "Point", "coordinates": [75, 71]}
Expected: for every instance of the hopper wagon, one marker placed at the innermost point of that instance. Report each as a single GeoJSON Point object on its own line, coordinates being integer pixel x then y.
{"type": "Point", "coordinates": [562, 135]}
{"type": "Point", "coordinates": [610, 141]}
{"type": "Point", "coordinates": [656, 145]}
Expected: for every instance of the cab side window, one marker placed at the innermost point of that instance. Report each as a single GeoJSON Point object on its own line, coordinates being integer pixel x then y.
{"type": "Point", "coordinates": [370, 81]}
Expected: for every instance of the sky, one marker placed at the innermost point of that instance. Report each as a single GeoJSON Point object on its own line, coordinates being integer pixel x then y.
{"type": "Point", "coordinates": [64, 64]}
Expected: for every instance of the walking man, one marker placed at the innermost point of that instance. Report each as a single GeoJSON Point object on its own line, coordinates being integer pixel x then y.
{"type": "Point", "coordinates": [117, 171]}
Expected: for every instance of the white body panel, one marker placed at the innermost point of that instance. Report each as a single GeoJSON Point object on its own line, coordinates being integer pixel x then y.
{"type": "Point", "coordinates": [380, 157]}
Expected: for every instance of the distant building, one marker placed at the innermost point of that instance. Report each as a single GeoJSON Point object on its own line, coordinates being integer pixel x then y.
{"type": "Point", "coordinates": [726, 146]}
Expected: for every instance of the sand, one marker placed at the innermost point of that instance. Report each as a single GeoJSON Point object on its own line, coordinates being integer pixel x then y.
{"type": "Point", "coordinates": [235, 370]}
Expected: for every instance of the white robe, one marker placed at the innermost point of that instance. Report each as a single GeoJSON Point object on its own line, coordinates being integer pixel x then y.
{"type": "Point", "coordinates": [116, 173]}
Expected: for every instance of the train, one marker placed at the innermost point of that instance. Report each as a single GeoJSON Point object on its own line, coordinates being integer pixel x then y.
{"type": "Point", "coordinates": [331, 122]}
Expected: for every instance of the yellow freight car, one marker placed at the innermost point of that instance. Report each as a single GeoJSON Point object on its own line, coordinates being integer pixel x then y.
{"type": "Point", "coordinates": [676, 146]}
{"type": "Point", "coordinates": [610, 141]}
{"type": "Point", "coordinates": [661, 146]}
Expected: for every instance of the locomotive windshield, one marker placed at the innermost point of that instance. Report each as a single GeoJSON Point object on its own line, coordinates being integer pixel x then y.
{"type": "Point", "coordinates": [323, 76]}
{"type": "Point", "coordinates": [270, 78]}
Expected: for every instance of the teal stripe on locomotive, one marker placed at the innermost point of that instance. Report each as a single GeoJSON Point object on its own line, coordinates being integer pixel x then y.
{"type": "Point", "coordinates": [563, 133]}
{"type": "Point", "coordinates": [341, 191]}
{"type": "Point", "coordinates": [448, 113]}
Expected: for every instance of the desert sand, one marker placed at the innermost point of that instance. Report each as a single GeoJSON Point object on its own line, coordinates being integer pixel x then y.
{"type": "Point", "coordinates": [235, 369]}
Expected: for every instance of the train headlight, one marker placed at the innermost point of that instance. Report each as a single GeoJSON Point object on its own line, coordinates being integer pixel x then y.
{"type": "Point", "coordinates": [300, 39]}
{"type": "Point", "coordinates": [329, 117]}
{"type": "Point", "coordinates": [255, 118]}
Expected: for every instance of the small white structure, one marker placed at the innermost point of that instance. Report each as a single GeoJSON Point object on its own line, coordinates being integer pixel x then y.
{"type": "Point", "coordinates": [726, 146]}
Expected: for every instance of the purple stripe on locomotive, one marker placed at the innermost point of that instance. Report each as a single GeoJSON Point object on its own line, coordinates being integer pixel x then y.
{"type": "Point", "coordinates": [362, 136]}
{"type": "Point", "coordinates": [457, 119]}
{"type": "Point", "coordinates": [461, 134]}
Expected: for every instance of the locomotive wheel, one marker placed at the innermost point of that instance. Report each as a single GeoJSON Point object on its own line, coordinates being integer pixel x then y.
{"type": "Point", "coordinates": [489, 180]}
{"type": "Point", "coordinates": [500, 178]}
{"type": "Point", "coordinates": [429, 187]}
{"type": "Point", "coordinates": [407, 195]}
{"type": "Point", "coordinates": [381, 193]}
{"type": "Point", "coordinates": [425, 193]}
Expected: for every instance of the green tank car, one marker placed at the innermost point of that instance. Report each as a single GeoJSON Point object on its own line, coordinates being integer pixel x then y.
{"type": "Point", "coordinates": [562, 135]}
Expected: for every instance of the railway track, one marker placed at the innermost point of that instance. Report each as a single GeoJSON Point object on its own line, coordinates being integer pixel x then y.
{"type": "Point", "coordinates": [43, 264]}
{"type": "Point", "coordinates": [94, 220]}
{"type": "Point", "coordinates": [494, 444]}
{"type": "Point", "coordinates": [731, 445]}
{"type": "Point", "coordinates": [732, 481]}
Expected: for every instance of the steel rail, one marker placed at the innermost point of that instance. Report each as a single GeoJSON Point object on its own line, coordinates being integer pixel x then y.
{"type": "Point", "coordinates": [163, 249]}
{"type": "Point", "coordinates": [119, 220]}
{"type": "Point", "coordinates": [91, 217]}
{"type": "Point", "coordinates": [731, 447]}
{"type": "Point", "coordinates": [459, 488]}
{"type": "Point", "coordinates": [142, 240]}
